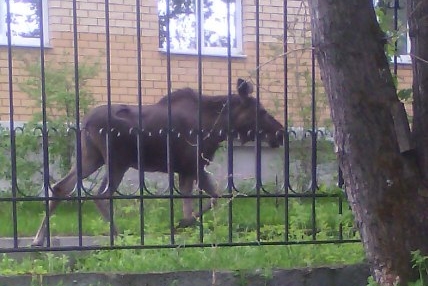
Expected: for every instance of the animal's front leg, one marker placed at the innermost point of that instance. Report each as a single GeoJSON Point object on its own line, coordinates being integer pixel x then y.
{"type": "Point", "coordinates": [186, 188]}
{"type": "Point", "coordinates": [108, 186]}
{"type": "Point", "coordinates": [207, 183]}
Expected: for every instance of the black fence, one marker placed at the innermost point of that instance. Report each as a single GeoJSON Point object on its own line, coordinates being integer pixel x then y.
{"type": "Point", "coordinates": [284, 202]}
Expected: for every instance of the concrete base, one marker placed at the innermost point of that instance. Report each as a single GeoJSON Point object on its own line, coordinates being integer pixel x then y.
{"type": "Point", "coordinates": [355, 275]}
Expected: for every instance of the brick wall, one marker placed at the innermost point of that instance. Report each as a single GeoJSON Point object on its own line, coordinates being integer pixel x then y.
{"type": "Point", "coordinates": [184, 68]}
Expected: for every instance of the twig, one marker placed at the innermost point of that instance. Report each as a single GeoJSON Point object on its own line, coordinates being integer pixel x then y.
{"type": "Point", "coordinates": [419, 58]}
{"type": "Point", "coordinates": [280, 56]}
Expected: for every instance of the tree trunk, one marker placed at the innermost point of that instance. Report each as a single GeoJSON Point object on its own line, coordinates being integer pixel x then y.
{"type": "Point", "coordinates": [381, 182]}
{"type": "Point", "coordinates": [418, 33]}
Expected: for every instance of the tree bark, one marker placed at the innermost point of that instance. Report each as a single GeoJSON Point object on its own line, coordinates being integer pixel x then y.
{"type": "Point", "coordinates": [381, 182]}
{"type": "Point", "coordinates": [418, 33]}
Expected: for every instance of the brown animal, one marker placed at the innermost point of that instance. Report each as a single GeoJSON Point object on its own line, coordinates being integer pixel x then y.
{"type": "Point", "coordinates": [153, 146]}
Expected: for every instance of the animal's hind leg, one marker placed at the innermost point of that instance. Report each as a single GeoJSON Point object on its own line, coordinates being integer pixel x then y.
{"type": "Point", "coordinates": [186, 188]}
{"type": "Point", "coordinates": [106, 188]}
{"type": "Point", "coordinates": [64, 187]}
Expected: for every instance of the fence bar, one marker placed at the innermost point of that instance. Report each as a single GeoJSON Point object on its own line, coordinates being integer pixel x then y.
{"type": "Point", "coordinates": [258, 170]}
{"type": "Point", "coordinates": [395, 58]}
{"type": "Point", "coordinates": [200, 140]}
{"type": "Point", "coordinates": [140, 137]}
{"type": "Point", "coordinates": [175, 196]}
{"type": "Point", "coordinates": [286, 135]}
{"type": "Point", "coordinates": [45, 140]}
{"type": "Point", "coordinates": [230, 132]}
{"type": "Point", "coordinates": [77, 128]}
{"type": "Point", "coordinates": [314, 135]}
{"type": "Point", "coordinates": [340, 184]}
{"type": "Point", "coordinates": [109, 131]}
{"type": "Point", "coordinates": [169, 139]}
{"type": "Point", "coordinates": [12, 128]}
{"type": "Point", "coordinates": [174, 246]}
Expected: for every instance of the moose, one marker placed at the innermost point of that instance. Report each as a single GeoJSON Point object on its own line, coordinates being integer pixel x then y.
{"type": "Point", "coordinates": [126, 148]}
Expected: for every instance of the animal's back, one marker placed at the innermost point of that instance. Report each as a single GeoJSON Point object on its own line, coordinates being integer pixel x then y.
{"type": "Point", "coordinates": [154, 119]}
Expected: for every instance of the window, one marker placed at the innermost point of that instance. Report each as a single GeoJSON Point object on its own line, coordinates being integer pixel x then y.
{"type": "Point", "coordinates": [385, 12]}
{"type": "Point", "coordinates": [24, 22]}
{"type": "Point", "coordinates": [183, 26]}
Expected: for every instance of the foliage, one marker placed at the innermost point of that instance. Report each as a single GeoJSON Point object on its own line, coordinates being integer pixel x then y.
{"type": "Point", "coordinates": [177, 259]}
{"type": "Point", "coordinates": [40, 263]}
{"type": "Point", "coordinates": [60, 101]}
{"type": "Point", "coordinates": [27, 159]}
{"type": "Point", "coordinates": [421, 263]}
{"type": "Point", "coordinates": [60, 106]}
{"type": "Point", "coordinates": [60, 88]}
{"type": "Point", "coordinates": [393, 38]}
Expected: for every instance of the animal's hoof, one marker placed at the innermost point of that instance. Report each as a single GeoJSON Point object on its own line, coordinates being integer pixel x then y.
{"type": "Point", "coordinates": [36, 244]}
{"type": "Point", "coordinates": [186, 222]}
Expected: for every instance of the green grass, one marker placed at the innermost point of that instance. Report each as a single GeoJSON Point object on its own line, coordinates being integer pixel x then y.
{"type": "Point", "coordinates": [224, 258]}
{"type": "Point", "coordinates": [157, 214]}
{"type": "Point", "coordinates": [166, 260]}
{"type": "Point", "coordinates": [215, 230]}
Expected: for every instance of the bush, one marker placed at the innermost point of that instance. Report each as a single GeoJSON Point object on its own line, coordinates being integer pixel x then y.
{"type": "Point", "coordinates": [60, 107]}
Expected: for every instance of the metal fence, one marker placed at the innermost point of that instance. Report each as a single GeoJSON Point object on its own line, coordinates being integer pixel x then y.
{"type": "Point", "coordinates": [273, 208]}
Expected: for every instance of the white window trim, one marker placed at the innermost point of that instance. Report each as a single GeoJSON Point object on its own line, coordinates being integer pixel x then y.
{"type": "Point", "coordinates": [406, 58]}
{"type": "Point", "coordinates": [217, 51]}
{"type": "Point", "coordinates": [24, 42]}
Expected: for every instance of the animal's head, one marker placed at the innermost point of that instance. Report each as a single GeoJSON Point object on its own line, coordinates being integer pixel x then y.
{"type": "Point", "coordinates": [245, 118]}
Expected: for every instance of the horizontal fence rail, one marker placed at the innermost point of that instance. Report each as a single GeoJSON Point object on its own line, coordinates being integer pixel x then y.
{"type": "Point", "coordinates": [149, 167]}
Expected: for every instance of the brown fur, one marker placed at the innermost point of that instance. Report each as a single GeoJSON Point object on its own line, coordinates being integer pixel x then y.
{"type": "Point", "coordinates": [152, 142]}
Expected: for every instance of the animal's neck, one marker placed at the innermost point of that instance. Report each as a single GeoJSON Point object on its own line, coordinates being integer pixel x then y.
{"type": "Point", "coordinates": [217, 115]}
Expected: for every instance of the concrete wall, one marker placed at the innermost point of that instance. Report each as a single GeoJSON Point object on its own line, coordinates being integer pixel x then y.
{"type": "Point", "coordinates": [355, 275]}
{"type": "Point", "coordinates": [244, 166]}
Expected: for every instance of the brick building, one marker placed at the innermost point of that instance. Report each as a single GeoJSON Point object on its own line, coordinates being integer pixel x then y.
{"type": "Point", "coordinates": [91, 36]}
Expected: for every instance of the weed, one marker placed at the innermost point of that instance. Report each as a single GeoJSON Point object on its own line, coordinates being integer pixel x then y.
{"type": "Point", "coordinates": [242, 275]}
{"type": "Point", "coordinates": [371, 281]}
{"type": "Point", "coordinates": [420, 262]}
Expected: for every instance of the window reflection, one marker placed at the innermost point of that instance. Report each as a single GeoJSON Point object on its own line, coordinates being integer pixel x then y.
{"type": "Point", "coordinates": [183, 24]}
{"type": "Point", "coordinates": [24, 18]}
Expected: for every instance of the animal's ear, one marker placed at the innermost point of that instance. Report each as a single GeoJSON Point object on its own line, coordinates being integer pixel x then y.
{"type": "Point", "coordinates": [244, 88]}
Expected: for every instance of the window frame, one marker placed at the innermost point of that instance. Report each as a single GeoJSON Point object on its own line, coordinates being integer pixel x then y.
{"type": "Point", "coordinates": [215, 51]}
{"type": "Point", "coordinates": [19, 41]}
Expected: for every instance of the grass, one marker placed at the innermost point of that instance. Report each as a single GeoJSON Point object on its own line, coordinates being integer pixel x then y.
{"type": "Point", "coordinates": [177, 259]}
{"type": "Point", "coordinates": [215, 230]}
{"type": "Point", "coordinates": [157, 214]}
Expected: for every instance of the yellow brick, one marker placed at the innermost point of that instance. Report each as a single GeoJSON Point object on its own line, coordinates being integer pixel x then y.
{"type": "Point", "coordinates": [92, 41]}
